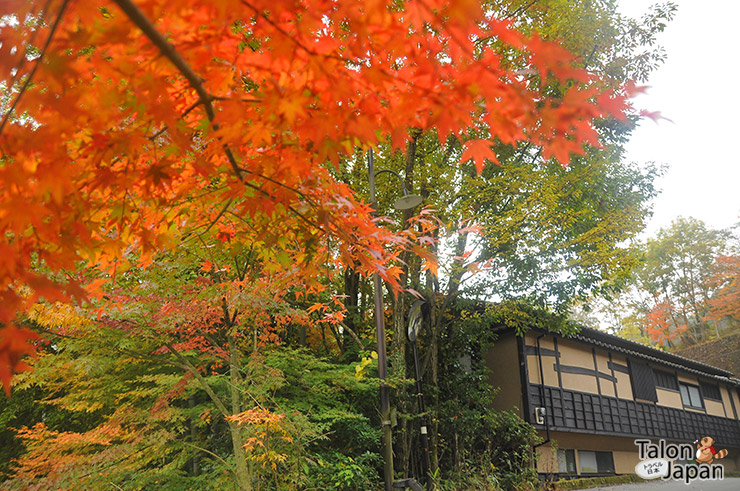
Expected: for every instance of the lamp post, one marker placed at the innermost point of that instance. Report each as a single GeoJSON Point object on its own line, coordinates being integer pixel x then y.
{"type": "Point", "coordinates": [406, 202]}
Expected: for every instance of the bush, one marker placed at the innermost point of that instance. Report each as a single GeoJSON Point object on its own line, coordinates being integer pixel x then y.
{"type": "Point", "coordinates": [336, 471]}
{"type": "Point", "coordinates": [478, 447]}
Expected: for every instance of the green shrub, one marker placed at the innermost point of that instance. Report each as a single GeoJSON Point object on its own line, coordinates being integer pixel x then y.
{"type": "Point", "coordinates": [336, 471]}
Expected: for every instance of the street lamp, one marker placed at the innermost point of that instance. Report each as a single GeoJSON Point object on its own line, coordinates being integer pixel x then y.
{"type": "Point", "coordinates": [407, 201]}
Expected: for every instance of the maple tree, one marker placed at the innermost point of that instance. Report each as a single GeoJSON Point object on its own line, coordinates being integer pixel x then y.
{"type": "Point", "coordinates": [724, 304]}
{"type": "Point", "coordinates": [660, 326]}
{"type": "Point", "coordinates": [675, 279]}
{"type": "Point", "coordinates": [127, 127]}
{"type": "Point", "coordinates": [119, 413]}
{"type": "Point", "coordinates": [189, 329]}
{"type": "Point", "coordinates": [176, 382]}
{"type": "Point", "coordinates": [684, 291]}
{"type": "Point", "coordinates": [207, 323]}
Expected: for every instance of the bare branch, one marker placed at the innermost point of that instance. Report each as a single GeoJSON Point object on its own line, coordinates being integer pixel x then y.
{"type": "Point", "coordinates": [354, 336]}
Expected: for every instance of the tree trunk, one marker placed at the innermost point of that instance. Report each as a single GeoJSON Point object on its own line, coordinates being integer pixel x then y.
{"type": "Point", "coordinates": [351, 299]}
{"type": "Point", "coordinates": [398, 343]}
{"type": "Point", "coordinates": [243, 474]}
{"type": "Point", "coordinates": [195, 461]}
{"type": "Point", "coordinates": [242, 471]}
{"type": "Point", "coordinates": [435, 420]}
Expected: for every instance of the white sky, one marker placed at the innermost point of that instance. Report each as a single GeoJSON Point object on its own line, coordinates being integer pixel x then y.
{"type": "Point", "coordinates": [698, 89]}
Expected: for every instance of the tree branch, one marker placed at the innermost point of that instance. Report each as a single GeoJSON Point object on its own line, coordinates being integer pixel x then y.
{"type": "Point", "coordinates": [150, 31]}
{"type": "Point", "coordinates": [142, 22]}
{"type": "Point", "coordinates": [354, 336]}
{"type": "Point", "coordinates": [229, 466]}
{"type": "Point", "coordinates": [203, 382]}
{"type": "Point", "coordinates": [187, 111]}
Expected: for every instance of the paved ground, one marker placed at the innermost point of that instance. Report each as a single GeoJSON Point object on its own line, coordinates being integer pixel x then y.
{"type": "Point", "coordinates": [727, 484]}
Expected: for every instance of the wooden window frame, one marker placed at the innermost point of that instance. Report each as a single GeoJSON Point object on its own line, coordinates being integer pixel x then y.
{"type": "Point", "coordinates": [698, 390]}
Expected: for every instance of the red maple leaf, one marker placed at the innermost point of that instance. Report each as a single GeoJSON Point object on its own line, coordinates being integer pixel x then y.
{"type": "Point", "coordinates": [14, 345]}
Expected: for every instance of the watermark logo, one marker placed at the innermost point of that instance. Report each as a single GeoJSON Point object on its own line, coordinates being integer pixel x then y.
{"type": "Point", "coordinates": [661, 460]}
{"type": "Point", "coordinates": [705, 452]}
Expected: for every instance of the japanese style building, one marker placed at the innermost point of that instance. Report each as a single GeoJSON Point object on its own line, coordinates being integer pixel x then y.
{"type": "Point", "coordinates": [591, 395]}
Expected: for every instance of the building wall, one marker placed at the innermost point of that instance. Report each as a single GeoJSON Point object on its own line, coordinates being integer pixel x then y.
{"type": "Point", "coordinates": [715, 408]}
{"type": "Point", "coordinates": [547, 344]}
{"type": "Point", "coordinates": [624, 384]}
{"type": "Point", "coordinates": [608, 387]}
{"type": "Point", "coordinates": [577, 366]}
{"type": "Point", "coordinates": [670, 398]}
{"type": "Point", "coordinates": [728, 403]}
{"type": "Point", "coordinates": [736, 399]}
{"type": "Point", "coordinates": [503, 361]}
{"type": "Point", "coordinates": [572, 357]}
{"type": "Point", "coordinates": [624, 452]}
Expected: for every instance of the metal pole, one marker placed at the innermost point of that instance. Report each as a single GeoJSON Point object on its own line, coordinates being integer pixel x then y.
{"type": "Point", "coordinates": [385, 404]}
{"type": "Point", "coordinates": [425, 462]}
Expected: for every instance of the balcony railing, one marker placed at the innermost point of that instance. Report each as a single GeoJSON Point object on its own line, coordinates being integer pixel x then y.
{"type": "Point", "coordinates": [569, 410]}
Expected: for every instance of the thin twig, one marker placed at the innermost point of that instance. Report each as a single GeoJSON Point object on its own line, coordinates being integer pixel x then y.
{"type": "Point", "coordinates": [203, 382]}
{"type": "Point", "coordinates": [187, 111]}
{"type": "Point", "coordinates": [277, 183]}
{"type": "Point", "coordinates": [289, 207]}
{"type": "Point", "coordinates": [35, 67]}
{"type": "Point", "coordinates": [220, 214]}
{"type": "Point", "coordinates": [519, 10]}
{"type": "Point", "coordinates": [211, 453]}
{"type": "Point", "coordinates": [22, 60]}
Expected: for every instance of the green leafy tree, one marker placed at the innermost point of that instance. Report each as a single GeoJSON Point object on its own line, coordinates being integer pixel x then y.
{"type": "Point", "coordinates": [670, 296]}
{"type": "Point", "coordinates": [525, 228]}
{"type": "Point", "coordinates": [679, 261]}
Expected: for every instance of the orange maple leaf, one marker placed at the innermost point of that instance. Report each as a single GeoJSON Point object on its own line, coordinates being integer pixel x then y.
{"type": "Point", "coordinates": [479, 151]}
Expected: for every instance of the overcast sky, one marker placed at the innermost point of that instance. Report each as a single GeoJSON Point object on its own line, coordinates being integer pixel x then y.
{"type": "Point", "coordinates": [699, 91]}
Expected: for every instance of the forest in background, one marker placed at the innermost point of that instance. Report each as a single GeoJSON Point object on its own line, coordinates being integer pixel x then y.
{"type": "Point", "coordinates": [227, 337]}
{"type": "Point", "coordinates": [686, 291]}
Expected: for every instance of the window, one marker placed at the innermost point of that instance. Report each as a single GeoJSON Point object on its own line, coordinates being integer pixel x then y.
{"type": "Point", "coordinates": [665, 380]}
{"type": "Point", "coordinates": [710, 391]}
{"type": "Point", "coordinates": [567, 461]}
{"type": "Point", "coordinates": [595, 462]}
{"type": "Point", "coordinates": [643, 381]}
{"type": "Point", "coordinates": [690, 395]}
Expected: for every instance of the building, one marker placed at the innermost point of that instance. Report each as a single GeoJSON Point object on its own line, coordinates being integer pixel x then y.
{"type": "Point", "coordinates": [591, 395]}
